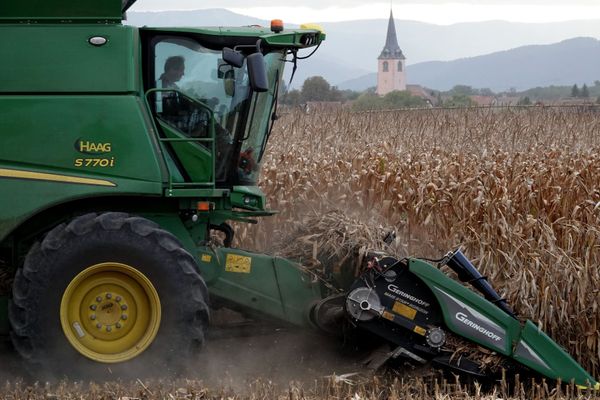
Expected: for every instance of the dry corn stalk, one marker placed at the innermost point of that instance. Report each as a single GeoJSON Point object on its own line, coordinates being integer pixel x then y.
{"type": "Point", "coordinates": [333, 240]}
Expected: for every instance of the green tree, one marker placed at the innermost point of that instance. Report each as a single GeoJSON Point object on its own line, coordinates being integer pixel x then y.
{"type": "Point", "coordinates": [349, 95]}
{"type": "Point", "coordinates": [292, 98]}
{"type": "Point", "coordinates": [316, 88]}
{"type": "Point", "coordinates": [524, 101]}
{"type": "Point", "coordinates": [585, 93]}
{"type": "Point", "coordinates": [459, 100]}
{"type": "Point", "coordinates": [392, 100]}
{"type": "Point", "coordinates": [367, 101]}
{"type": "Point", "coordinates": [548, 93]}
{"type": "Point", "coordinates": [399, 99]}
{"type": "Point", "coordinates": [335, 94]}
{"type": "Point", "coordinates": [462, 90]}
{"type": "Point", "coordinates": [575, 91]}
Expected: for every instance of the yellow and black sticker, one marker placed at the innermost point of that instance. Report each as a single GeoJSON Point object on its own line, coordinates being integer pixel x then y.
{"type": "Point", "coordinates": [419, 330]}
{"type": "Point", "coordinates": [388, 315]}
{"type": "Point", "coordinates": [404, 310]}
{"type": "Point", "coordinates": [239, 264]}
{"type": "Point", "coordinates": [206, 258]}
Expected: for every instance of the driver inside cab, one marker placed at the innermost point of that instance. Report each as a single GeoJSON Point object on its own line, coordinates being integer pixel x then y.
{"type": "Point", "coordinates": [174, 71]}
{"type": "Point", "coordinates": [178, 110]}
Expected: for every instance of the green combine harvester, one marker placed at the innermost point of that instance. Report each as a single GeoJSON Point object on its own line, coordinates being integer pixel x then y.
{"type": "Point", "coordinates": [123, 150]}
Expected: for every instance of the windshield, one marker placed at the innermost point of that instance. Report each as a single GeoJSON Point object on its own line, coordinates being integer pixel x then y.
{"type": "Point", "coordinates": [242, 117]}
{"type": "Point", "coordinates": [261, 110]}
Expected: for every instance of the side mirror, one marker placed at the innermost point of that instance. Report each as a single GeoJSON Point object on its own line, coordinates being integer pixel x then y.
{"type": "Point", "coordinates": [229, 83]}
{"type": "Point", "coordinates": [227, 73]}
{"type": "Point", "coordinates": [222, 66]}
{"type": "Point", "coordinates": [223, 70]}
{"type": "Point", "coordinates": [233, 57]}
{"type": "Point", "coordinates": [257, 72]}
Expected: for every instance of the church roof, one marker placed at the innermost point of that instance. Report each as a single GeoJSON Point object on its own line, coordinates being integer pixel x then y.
{"type": "Point", "coordinates": [391, 50]}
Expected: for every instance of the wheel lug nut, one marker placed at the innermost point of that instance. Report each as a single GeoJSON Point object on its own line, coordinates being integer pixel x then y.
{"type": "Point", "coordinates": [124, 307]}
{"type": "Point", "coordinates": [108, 329]}
{"type": "Point", "coordinates": [98, 299]}
{"type": "Point", "coordinates": [118, 298]}
{"type": "Point", "coordinates": [93, 307]}
{"type": "Point", "coordinates": [98, 325]}
{"type": "Point", "coordinates": [93, 317]}
{"type": "Point", "coordinates": [118, 325]}
{"type": "Point", "coordinates": [108, 295]}
{"type": "Point", "coordinates": [123, 317]}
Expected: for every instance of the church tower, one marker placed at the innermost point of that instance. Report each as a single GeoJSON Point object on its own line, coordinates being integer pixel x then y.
{"type": "Point", "coordinates": [391, 74]}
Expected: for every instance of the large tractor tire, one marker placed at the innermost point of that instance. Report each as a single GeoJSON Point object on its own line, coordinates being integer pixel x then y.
{"type": "Point", "coordinates": [108, 293]}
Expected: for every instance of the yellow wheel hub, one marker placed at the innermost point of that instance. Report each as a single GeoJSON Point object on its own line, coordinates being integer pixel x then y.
{"type": "Point", "coordinates": [110, 312]}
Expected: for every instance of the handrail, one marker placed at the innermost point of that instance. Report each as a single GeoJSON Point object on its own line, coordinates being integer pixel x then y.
{"type": "Point", "coordinates": [186, 139]}
{"type": "Point", "coordinates": [210, 139]}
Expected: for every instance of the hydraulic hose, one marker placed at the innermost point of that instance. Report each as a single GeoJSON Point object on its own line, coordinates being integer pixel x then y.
{"type": "Point", "coordinates": [468, 273]}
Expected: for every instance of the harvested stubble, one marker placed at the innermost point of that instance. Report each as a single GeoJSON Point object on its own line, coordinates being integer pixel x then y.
{"type": "Point", "coordinates": [519, 188]}
{"type": "Point", "coordinates": [333, 387]}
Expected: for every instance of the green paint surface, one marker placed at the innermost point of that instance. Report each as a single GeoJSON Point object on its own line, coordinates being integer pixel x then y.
{"type": "Point", "coordinates": [59, 58]}
{"type": "Point", "coordinates": [262, 284]}
{"type": "Point", "coordinates": [97, 137]}
{"type": "Point", "coordinates": [558, 363]}
{"type": "Point", "coordinates": [60, 10]}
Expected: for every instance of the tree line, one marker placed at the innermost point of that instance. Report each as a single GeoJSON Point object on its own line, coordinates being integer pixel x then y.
{"type": "Point", "coordinates": [317, 89]}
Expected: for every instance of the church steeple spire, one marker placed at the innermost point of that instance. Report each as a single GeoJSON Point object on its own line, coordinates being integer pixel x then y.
{"type": "Point", "coordinates": [391, 49]}
{"type": "Point", "coordinates": [391, 74]}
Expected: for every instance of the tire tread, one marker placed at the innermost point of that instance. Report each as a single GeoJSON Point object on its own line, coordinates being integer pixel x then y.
{"type": "Point", "coordinates": [30, 278]}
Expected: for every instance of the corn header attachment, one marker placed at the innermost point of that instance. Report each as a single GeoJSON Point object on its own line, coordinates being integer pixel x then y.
{"type": "Point", "coordinates": [421, 313]}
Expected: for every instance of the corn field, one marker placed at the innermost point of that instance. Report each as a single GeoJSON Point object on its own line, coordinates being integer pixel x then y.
{"type": "Point", "coordinates": [517, 188]}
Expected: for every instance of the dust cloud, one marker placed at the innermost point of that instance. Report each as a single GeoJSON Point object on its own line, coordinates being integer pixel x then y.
{"type": "Point", "coordinates": [228, 359]}
{"type": "Point", "coordinates": [11, 367]}
{"type": "Point", "coordinates": [279, 356]}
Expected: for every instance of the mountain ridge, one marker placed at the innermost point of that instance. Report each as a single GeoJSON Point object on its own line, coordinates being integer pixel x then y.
{"type": "Point", "coordinates": [571, 61]}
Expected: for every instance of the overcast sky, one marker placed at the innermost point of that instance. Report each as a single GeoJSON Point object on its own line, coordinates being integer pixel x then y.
{"type": "Point", "coordinates": [433, 11]}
